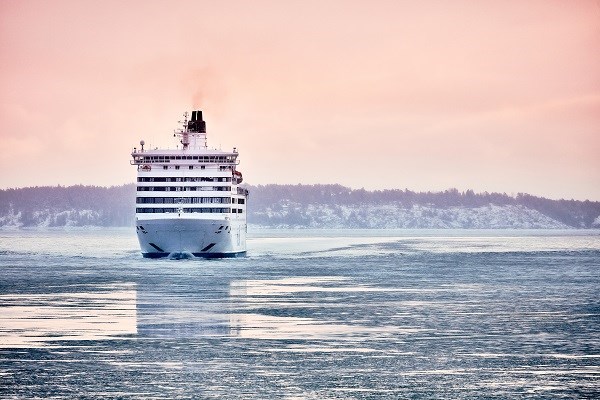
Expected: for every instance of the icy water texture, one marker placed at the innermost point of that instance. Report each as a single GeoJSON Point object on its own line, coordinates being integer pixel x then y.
{"type": "Point", "coordinates": [308, 314]}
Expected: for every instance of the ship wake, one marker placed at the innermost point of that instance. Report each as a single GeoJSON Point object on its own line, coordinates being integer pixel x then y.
{"type": "Point", "coordinates": [180, 255]}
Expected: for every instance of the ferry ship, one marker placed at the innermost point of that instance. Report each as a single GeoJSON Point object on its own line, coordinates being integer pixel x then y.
{"type": "Point", "coordinates": [189, 201]}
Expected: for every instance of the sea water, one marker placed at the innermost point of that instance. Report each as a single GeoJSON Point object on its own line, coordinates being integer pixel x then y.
{"type": "Point", "coordinates": [313, 314]}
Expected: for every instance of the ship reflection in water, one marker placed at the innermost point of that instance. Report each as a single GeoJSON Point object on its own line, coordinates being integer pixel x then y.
{"type": "Point", "coordinates": [236, 313]}
{"type": "Point", "coordinates": [118, 311]}
{"type": "Point", "coordinates": [239, 316]}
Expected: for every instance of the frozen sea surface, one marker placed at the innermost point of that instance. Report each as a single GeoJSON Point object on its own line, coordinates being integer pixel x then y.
{"type": "Point", "coordinates": [308, 314]}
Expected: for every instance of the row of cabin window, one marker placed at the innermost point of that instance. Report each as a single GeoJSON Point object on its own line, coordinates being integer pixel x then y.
{"type": "Point", "coordinates": [183, 200]}
{"type": "Point", "coordinates": [183, 188]}
{"type": "Point", "coordinates": [207, 159]}
{"type": "Point", "coordinates": [187, 200]}
{"type": "Point", "coordinates": [186, 179]}
{"type": "Point", "coordinates": [189, 210]}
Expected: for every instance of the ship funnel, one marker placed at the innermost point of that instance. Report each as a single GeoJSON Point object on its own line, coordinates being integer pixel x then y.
{"type": "Point", "coordinates": [196, 124]}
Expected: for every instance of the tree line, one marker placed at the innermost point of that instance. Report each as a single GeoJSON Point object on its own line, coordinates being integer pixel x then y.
{"type": "Point", "coordinates": [115, 205]}
{"type": "Point", "coordinates": [575, 213]}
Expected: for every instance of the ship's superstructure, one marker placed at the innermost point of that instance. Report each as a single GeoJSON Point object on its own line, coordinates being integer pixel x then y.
{"type": "Point", "coordinates": [188, 199]}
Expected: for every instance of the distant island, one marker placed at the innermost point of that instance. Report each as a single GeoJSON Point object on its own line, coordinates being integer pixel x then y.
{"type": "Point", "coordinates": [311, 206]}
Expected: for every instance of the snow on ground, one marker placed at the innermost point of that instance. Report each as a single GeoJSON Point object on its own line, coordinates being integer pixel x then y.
{"type": "Point", "coordinates": [396, 216]}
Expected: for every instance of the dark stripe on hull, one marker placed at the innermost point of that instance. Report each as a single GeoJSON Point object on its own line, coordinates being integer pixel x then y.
{"type": "Point", "coordinates": [202, 255]}
{"type": "Point", "coordinates": [207, 248]}
{"type": "Point", "coordinates": [156, 247]}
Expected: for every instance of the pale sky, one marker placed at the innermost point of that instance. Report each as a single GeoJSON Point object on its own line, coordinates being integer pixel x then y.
{"type": "Point", "coordinates": [427, 95]}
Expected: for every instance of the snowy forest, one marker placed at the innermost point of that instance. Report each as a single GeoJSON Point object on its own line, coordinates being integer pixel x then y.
{"type": "Point", "coordinates": [310, 206]}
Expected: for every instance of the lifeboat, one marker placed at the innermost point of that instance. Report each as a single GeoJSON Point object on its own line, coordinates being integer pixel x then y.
{"type": "Point", "coordinates": [237, 175]}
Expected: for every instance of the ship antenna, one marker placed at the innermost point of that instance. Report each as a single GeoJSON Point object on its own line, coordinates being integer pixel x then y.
{"type": "Point", "coordinates": [185, 138]}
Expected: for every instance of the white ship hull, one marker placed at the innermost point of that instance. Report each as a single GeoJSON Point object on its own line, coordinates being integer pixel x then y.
{"type": "Point", "coordinates": [184, 235]}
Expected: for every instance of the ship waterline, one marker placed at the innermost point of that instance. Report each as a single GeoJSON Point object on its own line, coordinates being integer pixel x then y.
{"type": "Point", "coordinates": [189, 201]}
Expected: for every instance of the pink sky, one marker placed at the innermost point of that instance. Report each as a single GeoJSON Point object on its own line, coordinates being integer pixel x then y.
{"type": "Point", "coordinates": [427, 95]}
